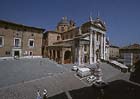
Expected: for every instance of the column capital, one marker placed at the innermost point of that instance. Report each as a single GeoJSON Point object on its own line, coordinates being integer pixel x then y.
{"type": "Point", "coordinates": [80, 45]}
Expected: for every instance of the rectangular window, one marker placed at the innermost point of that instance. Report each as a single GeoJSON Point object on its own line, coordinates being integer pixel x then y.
{"type": "Point", "coordinates": [58, 37]}
{"type": "Point", "coordinates": [62, 37]}
{"type": "Point", "coordinates": [66, 36]}
{"type": "Point", "coordinates": [7, 53]}
{"type": "Point", "coordinates": [17, 42]}
{"type": "Point", "coordinates": [31, 43]}
{"type": "Point", "coordinates": [71, 36]}
{"type": "Point", "coordinates": [85, 47]}
{"type": "Point", "coordinates": [62, 29]}
{"type": "Point", "coordinates": [1, 41]}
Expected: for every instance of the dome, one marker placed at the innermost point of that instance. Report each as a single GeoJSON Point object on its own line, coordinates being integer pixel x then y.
{"type": "Point", "coordinates": [63, 21]}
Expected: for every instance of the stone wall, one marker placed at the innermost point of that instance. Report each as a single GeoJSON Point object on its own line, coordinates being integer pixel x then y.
{"type": "Point", "coordinates": [9, 34]}
{"type": "Point", "coordinates": [52, 38]}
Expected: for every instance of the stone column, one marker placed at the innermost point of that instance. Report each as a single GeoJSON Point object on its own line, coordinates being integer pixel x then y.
{"type": "Point", "coordinates": [75, 55]}
{"type": "Point", "coordinates": [62, 56]}
{"type": "Point", "coordinates": [95, 37]}
{"type": "Point", "coordinates": [52, 55]}
{"type": "Point", "coordinates": [83, 54]}
{"type": "Point", "coordinates": [91, 47]}
{"type": "Point", "coordinates": [56, 57]}
{"type": "Point", "coordinates": [79, 55]}
{"type": "Point", "coordinates": [104, 46]}
{"type": "Point", "coordinates": [101, 46]}
{"type": "Point", "coordinates": [76, 51]}
{"type": "Point", "coordinates": [48, 53]}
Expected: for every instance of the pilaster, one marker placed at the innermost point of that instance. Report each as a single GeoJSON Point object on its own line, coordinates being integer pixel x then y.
{"type": "Point", "coordinates": [104, 47]}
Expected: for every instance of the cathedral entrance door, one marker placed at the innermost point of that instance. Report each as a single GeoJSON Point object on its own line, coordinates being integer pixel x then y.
{"type": "Point", "coordinates": [67, 57]}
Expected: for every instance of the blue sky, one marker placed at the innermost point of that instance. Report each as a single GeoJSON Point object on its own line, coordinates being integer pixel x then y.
{"type": "Point", "coordinates": [122, 17]}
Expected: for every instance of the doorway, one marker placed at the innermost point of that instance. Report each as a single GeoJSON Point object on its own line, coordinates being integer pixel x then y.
{"type": "Point", "coordinates": [67, 57]}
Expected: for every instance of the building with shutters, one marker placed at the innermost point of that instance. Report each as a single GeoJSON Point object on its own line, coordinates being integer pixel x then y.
{"type": "Point", "coordinates": [130, 54]}
{"type": "Point", "coordinates": [17, 40]}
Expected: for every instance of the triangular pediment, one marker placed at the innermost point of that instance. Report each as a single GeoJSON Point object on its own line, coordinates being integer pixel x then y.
{"type": "Point", "coordinates": [100, 24]}
{"type": "Point", "coordinates": [86, 38]}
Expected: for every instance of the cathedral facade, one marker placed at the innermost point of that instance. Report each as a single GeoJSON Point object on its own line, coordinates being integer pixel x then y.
{"type": "Point", "coordinates": [79, 45]}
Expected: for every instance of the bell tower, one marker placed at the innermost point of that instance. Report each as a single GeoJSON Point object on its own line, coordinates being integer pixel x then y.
{"type": "Point", "coordinates": [72, 24]}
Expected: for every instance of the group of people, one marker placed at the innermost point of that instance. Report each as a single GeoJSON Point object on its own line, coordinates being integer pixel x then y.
{"type": "Point", "coordinates": [45, 94]}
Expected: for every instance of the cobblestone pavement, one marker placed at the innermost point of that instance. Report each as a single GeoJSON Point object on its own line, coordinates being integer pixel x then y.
{"type": "Point", "coordinates": [54, 84]}
{"type": "Point", "coordinates": [20, 79]}
{"type": "Point", "coordinates": [17, 71]}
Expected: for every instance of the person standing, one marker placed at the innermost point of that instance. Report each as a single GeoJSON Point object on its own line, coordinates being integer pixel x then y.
{"type": "Point", "coordinates": [38, 94]}
{"type": "Point", "coordinates": [45, 94]}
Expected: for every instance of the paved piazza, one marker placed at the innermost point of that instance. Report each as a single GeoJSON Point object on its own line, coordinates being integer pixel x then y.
{"type": "Point", "coordinates": [20, 79]}
{"type": "Point", "coordinates": [16, 71]}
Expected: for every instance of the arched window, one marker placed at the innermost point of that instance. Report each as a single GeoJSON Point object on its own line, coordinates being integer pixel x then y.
{"type": "Point", "coordinates": [58, 37]}
{"type": "Point", "coordinates": [62, 29]}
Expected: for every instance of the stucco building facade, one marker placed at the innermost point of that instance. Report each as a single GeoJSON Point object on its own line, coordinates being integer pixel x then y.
{"type": "Point", "coordinates": [70, 44]}
{"type": "Point", "coordinates": [130, 54]}
{"type": "Point", "coordinates": [114, 52]}
{"type": "Point", "coordinates": [17, 40]}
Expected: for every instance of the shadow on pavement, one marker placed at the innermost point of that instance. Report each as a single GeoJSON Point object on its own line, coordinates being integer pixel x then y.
{"type": "Point", "coordinates": [118, 89]}
{"type": "Point", "coordinates": [60, 96]}
{"type": "Point", "coordinates": [135, 76]}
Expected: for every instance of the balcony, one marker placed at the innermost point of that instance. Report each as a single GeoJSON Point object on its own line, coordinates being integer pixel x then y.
{"type": "Point", "coordinates": [15, 46]}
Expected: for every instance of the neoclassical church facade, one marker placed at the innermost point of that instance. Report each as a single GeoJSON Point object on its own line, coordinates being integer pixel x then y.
{"type": "Point", "coordinates": [78, 45]}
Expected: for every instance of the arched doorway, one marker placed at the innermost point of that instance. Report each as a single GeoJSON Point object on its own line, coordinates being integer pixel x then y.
{"type": "Point", "coordinates": [67, 57]}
